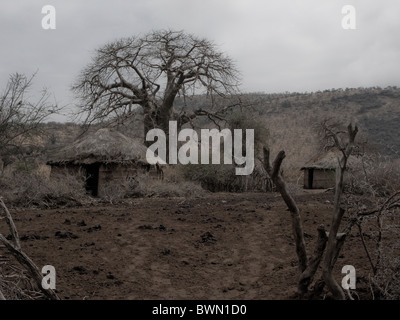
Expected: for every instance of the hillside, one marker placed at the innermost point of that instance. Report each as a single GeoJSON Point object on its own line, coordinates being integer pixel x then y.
{"type": "Point", "coordinates": [375, 110]}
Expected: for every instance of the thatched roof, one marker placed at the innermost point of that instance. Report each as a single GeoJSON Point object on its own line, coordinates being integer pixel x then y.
{"type": "Point", "coordinates": [103, 146]}
{"type": "Point", "coordinates": [326, 161]}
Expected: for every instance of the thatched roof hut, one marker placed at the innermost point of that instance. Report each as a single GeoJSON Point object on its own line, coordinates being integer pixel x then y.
{"type": "Point", "coordinates": [327, 160]}
{"type": "Point", "coordinates": [320, 171]}
{"type": "Point", "coordinates": [106, 156]}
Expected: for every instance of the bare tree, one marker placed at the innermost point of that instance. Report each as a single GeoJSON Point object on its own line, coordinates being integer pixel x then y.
{"type": "Point", "coordinates": [20, 118]}
{"type": "Point", "coordinates": [149, 72]}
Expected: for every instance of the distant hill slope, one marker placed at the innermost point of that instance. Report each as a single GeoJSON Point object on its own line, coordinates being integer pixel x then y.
{"type": "Point", "coordinates": [375, 110]}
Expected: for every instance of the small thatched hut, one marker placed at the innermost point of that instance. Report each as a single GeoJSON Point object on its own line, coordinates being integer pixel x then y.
{"type": "Point", "coordinates": [104, 156]}
{"type": "Point", "coordinates": [320, 171]}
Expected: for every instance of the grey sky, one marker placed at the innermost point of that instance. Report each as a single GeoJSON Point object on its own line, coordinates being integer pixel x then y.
{"type": "Point", "coordinates": [278, 45]}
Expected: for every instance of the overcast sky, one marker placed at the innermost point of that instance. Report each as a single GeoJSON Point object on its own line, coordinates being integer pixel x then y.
{"type": "Point", "coordinates": [278, 45]}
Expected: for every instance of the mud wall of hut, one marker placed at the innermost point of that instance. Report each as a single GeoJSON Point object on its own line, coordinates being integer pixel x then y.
{"type": "Point", "coordinates": [319, 178]}
{"type": "Point", "coordinates": [115, 173]}
{"type": "Point", "coordinates": [100, 175]}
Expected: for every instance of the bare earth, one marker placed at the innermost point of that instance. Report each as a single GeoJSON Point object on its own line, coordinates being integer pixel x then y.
{"type": "Point", "coordinates": [218, 246]}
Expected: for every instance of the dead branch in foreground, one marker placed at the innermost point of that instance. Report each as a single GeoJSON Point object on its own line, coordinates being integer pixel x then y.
{"type": "Point", "coordinates": [14, 248]}
{"type": "Point", "coordinates": [330, 242]}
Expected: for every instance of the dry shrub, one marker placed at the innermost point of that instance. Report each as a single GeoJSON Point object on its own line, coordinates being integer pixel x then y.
{"type": "Point", "coordinates": [29, 189]}
{"type": "Point", "coordinates": [214, 178]}
{"type": "Point", "coordinates": [386, 281]}
{"type": "Point", "coordinates": [114, 192]}
{"type": "Point", "coordinates": [144, 186]}
{"type": "Point", "coordinates": [388, 277]}
{"type": "Point", "coordinates": [373, 182]}
{"type": "Point", "coordinates": [223, 178]}
{"type": "Point", "coordinates": [376, 175]}
{"type": "Point", "coordinates": [15, 284]}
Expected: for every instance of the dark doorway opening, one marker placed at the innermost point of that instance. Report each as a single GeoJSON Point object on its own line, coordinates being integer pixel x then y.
{"type": "Point", "coordinates": [310, 178]}
{"type": "Point", "coordinates": [92, 178]}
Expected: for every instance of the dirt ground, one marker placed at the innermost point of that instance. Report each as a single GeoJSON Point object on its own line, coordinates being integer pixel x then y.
{"type": "Point", "coordinates": [217, 246]}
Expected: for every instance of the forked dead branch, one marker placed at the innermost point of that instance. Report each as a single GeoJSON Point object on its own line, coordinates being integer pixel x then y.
{"type": "Point", "coordinates": [331, 241]}
{"type": "Point", "coordinates": [14, 247]}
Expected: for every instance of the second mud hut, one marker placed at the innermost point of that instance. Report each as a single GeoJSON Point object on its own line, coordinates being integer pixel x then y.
{"type": "Point", "coordinates": [320, 171]}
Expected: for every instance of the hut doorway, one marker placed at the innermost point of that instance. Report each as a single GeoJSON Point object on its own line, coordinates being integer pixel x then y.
{"type": "Point", "coordinates": [92, 178]}
{"type": "Point", "coordinates": [310, 178]}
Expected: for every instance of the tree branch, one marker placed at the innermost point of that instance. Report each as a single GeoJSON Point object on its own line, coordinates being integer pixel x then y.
{"type": "Point", "coordinates": [11, 225]}
{"type": "Point", "coordinates": [306, 277]}
{"type": "Point", "coordinates": [274, 173]}
{"type": "Point", "coordinates": [334, 245]}
{"type": "Point", "coordinates": [22, 258]}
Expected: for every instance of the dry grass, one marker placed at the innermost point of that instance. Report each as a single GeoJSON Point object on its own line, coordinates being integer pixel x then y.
{"type": "Point", "coordinates": [293, 133]}
{"type": "Point", "coordinates": [15, 284]}
{"type": "Point", "coordinates": [376, 176]}
{"type": "Point", "coordinates": [144, 186]}
{"type": "Point", "coordinates": [29, 189]}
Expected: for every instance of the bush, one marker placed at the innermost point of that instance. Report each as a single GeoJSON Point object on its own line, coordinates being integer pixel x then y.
{"type": "Point", "coordinates": [144, 186]}
{"type": "Point", "coordinates": [28, 189]}
{"type": "Point", "coordinates": [212, 177]}
{"type": "Point", "coordinates": [113, 192]}
{"type": "Point", "coordinates": [371, 184]}
{"type": "Point", "coordinates": [376, 175]}
{"type": "Point", "coordinates": [387, 277]}
{"type": "Point", "coordinates": [223, 178]}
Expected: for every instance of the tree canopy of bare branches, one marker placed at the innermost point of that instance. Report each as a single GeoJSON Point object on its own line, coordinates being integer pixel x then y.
{"type": "Point", "coordinates": [149, 72]}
